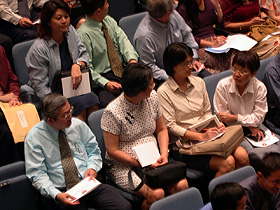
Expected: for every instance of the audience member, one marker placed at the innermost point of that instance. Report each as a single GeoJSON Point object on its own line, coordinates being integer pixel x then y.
{"type": "Point", "coordinates": [227, 196]}
{"type": "Point", "coordinates": [59, 48]}
{"type": "Point", "coordinates": [201, 16]}
{"type": "Point", "coordinates": [162, 26]}
{"type": "Point", "coordinates": [108, 47]}
{"type": "Point", "coordinates": [131, 120]}
{"type": "Point", "coordinates": [240, 15]}
{"type": "Point", "coordinates": [185, 102]}
{"type": "Point", "coordinates": [9, 93]}
{"type": "Point", "coordinates": [272, 9]}
{"type": "Point", "coordinates": [272, 83]}
{"type": "Point", "coordinates": [17, 18]}
{"type": "Point", "coordinates": [241, 99]}
{"type": "Point", "coordinates": [262, 190]}
{"type": "Point", "coordinates": [60, 151]}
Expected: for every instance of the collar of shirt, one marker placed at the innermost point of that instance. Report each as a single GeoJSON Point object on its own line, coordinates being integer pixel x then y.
{"type": "Point", "coordinates": [248, 89]}
{"type": "Point", "coordinates": [157, 23]}
{"type": "Point", "coordinates": [175, 87]}
{"type": "Point", "coordinates": [51, 41]}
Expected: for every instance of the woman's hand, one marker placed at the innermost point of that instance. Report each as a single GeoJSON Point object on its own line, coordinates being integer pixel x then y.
{"type": "Point", "coordinates": [76, 75]}
{"type": "Point", "coordinates": [256, 132]}
{"type": "Point", "coordinates": [209, 134]}
{"type": "Point", "coordinates": [219, 41]}
{"type": "Point", "coordinates": [257, 21]}
{"type": "Point", "coordinates": [10, 98]}
{"type": "Point", "coordinates": [163, 159]}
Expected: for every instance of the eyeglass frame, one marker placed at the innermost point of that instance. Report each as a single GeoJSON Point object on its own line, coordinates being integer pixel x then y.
{"type": "Point", "coordinates": [235, 70]}
{"type": "Point", "coordinates": [66, 117]}
{"type": "Point", "coordinates": [190, 64]}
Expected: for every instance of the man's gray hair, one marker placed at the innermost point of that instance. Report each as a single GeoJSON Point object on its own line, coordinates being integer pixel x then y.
{"type": "Point", "coordinates": [158, 8]}
{"type": "Point", "coordinates": [51, 105]}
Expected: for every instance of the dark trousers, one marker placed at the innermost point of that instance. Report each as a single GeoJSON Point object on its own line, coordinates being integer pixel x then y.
{"type": "Point", "coordinates": [105, 96]}
{"type": "Point", "coordinates": [9, 151]}
{"type": "Point", "coordinates": [16, 33]}
{"type": "Point", "coordinates": [103, 197]}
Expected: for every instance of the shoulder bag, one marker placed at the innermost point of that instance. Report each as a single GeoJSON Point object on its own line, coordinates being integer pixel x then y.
{"type": "Point", "coordinates": [222, 146]}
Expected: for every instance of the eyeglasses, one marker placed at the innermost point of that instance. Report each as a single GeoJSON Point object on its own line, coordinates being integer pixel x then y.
{"type": "Point", "coordinates": [235, 70]}
{"type": "Point", "coordinates": [67, 116]}
{"type": "Point", "coordinates": [189, 64]}
{"type": "Point", "coordinates": [275, 183]}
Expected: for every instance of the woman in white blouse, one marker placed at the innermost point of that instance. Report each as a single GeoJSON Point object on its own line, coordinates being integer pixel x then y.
{"type": "Point", "coordinates": [241, 98]}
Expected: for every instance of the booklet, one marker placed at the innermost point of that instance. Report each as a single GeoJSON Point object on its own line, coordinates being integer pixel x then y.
{"type": "Point", "coordinates": [67, 86]}
{"type": "Point", "coordinates": [269, 138]}
{"type": "Point", "coordinates": [204, 125]}
{"type": "Point", "coordinates": [239, 42]}
{"type": "Point", "coordinates": [83, 187]}
{"type": "Point", "coordinates": [147, 153]}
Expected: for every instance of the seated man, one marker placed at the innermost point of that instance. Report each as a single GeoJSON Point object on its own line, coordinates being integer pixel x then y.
{"type": "Point", "coordinates": [272, 83]}
{"type": "Point", "coordinates": [9, 93]}
{"type": "Point", "coordinates": [161, 27]}
{"type": "Point", "coordinates": [262, 190]}
{"type": "Point", "coordinates": [108, 48]}
{"type": "Point", "coordinates": [227, 196]}
{"type": "Point", "coordinates": [17, 17]}
{"type": "Point", "coordinates": [61, 151]}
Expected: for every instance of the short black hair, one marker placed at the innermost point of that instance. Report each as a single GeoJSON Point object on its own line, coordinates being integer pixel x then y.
{"type": "Point", "coordinates": [175, 54]}
{"type": "Point", "coordinates": [136, 78]}
{"type": "Point", "coordinates": [226, 196]}
{"type": "Point", "coordinates": [48, 10]}
{"type": "Point", "coordinates": [247, 59]}
{"type": "Point", "coordinates": [270, 163]}
{"type": "Point", "coordinates": [90, 6]}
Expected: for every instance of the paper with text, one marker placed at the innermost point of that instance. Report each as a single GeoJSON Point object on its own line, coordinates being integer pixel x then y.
{"type": "Point", "coordinates": [83, 187]}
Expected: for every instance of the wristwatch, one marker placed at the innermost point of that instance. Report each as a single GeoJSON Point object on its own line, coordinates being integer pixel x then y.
{"type": "Point", "coordinates": [81, 66]}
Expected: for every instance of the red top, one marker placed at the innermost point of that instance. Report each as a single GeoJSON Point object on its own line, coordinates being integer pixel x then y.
{"type": "Point", "coordinates": [8, 80]}
{"type": "Point", "coordinates": [239, 13]}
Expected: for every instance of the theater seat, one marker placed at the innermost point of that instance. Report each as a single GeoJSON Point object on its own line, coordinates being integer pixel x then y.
{"type": "Point", "coordinates": [17, 192]}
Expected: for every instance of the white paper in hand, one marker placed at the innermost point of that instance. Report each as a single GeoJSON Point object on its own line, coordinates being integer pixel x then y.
{"type": "Point", "coordinates": [83, 187]}
{"type": "Point", "coordinates": [147, 153]}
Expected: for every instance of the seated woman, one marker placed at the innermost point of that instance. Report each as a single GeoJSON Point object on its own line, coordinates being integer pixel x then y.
{"type": "Point", "coordinates": [201, 16]}
{"type": "Point", "coordinates": [240, 15]}
{"type": "Point", "coordinates": [241, 99]}
{"type": "Point", "coordinates": [131, 120]}
{"type": "Point", "coordinates": [185, 102]}
{"type": "Point", "coordinates": [271, 8]}
{"type": "Point", "coordinates": [9, 93]}
{"type": "Point", "coordinates": [59, 48]}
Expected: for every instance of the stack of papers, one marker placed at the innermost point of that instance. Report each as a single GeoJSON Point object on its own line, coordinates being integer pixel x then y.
{"type": "Point", "coordinates": [238, 41]}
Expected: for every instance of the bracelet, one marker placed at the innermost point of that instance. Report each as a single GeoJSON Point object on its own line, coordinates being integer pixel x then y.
{"type": "Point", "coordinates": [240, 27]}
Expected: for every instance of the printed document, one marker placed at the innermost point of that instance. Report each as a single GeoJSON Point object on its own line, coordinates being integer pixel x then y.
{"type": "Point", "coordinates": [147, 153]}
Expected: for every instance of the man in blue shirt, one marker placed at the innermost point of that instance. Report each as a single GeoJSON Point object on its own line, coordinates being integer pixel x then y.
{"type": "Point", "coordinates": [45, 167]}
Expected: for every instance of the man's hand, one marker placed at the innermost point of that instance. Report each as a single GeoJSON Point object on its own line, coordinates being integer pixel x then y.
{"type": "Point", "coordinates": [227, 117]}
{"type": "Point", "coordinates": [256, 132]}
{"type": "Point", "coordinates": [25, 23]}
{"type": "Point", "coordinates": [66, 199]}
{"type": "Point", "coordinates": [113, 87]}
{"type": "Point", "coordinates": [90, 172]}
{"type": "Point", "coordinates": [76, 75]}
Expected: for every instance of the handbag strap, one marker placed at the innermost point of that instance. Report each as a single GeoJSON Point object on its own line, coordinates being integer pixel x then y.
{"type": "Point", "coordinates": [182, 145]}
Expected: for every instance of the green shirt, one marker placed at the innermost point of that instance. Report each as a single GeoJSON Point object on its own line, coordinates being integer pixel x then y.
{"type": "Point", "coordinates": [92, 36]}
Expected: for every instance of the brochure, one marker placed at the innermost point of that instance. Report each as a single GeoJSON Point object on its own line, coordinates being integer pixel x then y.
{"type": "Point", "coordinates": [83, 187]}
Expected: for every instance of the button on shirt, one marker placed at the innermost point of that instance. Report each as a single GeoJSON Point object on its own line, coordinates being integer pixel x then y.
{"type": "Point", "coordinates": [183, 109]}
{"type": "Point", "coordinates": [43, 160]}
{"type": "Point", "coordinates": [250, 108]}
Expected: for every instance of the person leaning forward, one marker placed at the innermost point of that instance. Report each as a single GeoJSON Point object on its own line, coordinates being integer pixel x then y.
{"type": "Point", "coordinates": [59, 135]}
